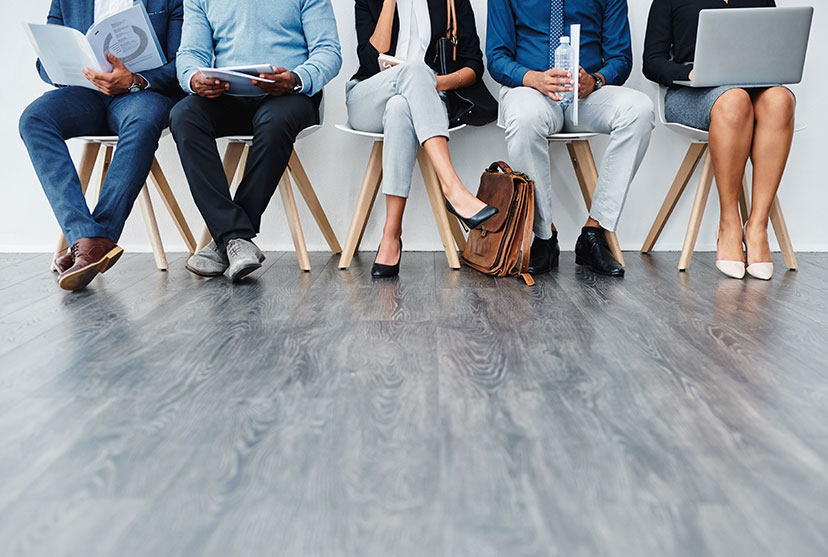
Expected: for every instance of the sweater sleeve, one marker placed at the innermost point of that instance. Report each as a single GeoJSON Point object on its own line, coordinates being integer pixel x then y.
{"type": "Point", "coordinates": [324, 54]}
{"type": "Point", "coordinates": [468, 48]}
{"type": "Point", "coordinates": [658, 45]}
{"type": "Point", "coordinates": [501, 45]}
{"type": "Point", "coordinates": [196, 50]}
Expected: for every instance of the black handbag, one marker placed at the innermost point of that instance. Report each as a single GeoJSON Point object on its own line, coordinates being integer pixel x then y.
{"type": "Point", "coordinates": [473, 105]}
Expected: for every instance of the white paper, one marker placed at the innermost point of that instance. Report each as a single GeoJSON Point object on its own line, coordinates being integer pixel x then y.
{"type": "Point", "coordinates": [65, 52]}
{"type": "Point", "coordinates": [575, 41]}
{"type": "Point", "coordinates": [240, 85]}
{"type": "Point", "coordinates": [129, 36]}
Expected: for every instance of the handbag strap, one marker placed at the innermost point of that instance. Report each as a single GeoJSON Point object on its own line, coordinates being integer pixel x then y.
{"type": "Point", "coordinates": [526, 247]}
{"type": "Point", "coordinates": [451, 30]}
{"type": "Point", "coordinates": [500, 165]}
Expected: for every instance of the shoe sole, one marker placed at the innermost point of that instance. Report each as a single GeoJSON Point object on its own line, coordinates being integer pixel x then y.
{"type": "Point", "coordinates": [78, 280]}
{"type": "Point", "coordinates": [195, 271]}
{"type": "Point", "coordinates": [244, 271]}
{"type": "Point", "coordinates": [552, 267]}
{"type": "Point", "coordinates": [580, 261]}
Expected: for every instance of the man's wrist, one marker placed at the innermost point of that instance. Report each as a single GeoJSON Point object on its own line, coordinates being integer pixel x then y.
{"type": "Point", "coordinates": [298, 85]}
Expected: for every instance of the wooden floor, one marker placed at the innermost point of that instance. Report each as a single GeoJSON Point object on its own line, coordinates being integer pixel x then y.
{"type": "Point", "coordinates": [444, 413]}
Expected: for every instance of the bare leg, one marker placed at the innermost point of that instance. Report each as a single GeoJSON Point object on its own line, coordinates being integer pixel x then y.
{"type": "Point", "coordinates": [461, 199]}
{"type": "Point", "coordinates": [731, 136]}
{"type": "Point", "coordinates": [772, 138]}
{"type": "Point", "coordinates": [389, 249]}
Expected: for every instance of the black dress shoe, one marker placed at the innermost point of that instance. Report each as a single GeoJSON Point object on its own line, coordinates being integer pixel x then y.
{"type": "Point", "coordinates": [592, 249]}
{"type": "Point", "coordinates": [482, 216]}
{"type": "Point", "coordinates": [544, 255]}
{"type": "Point", "coordinates": [386, 271]}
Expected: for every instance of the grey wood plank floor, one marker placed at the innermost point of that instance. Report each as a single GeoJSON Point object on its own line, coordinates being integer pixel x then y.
{"type": "Point", "coordinates": [442, 413]}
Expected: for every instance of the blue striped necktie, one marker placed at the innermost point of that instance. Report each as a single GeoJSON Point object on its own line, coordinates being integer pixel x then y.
{"type": "Point", "coordinates": [556, 27]}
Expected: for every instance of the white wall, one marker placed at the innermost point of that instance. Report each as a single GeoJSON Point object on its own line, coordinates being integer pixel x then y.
{"type": "Point", "coordinates": [335, 162]}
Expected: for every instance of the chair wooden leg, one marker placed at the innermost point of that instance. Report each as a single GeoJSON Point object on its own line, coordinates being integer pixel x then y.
{"type": "Point", "coordinates": [304, 186]}
{"type": "Point", "coordinates": [587, 174]}
{"type": "Point", "coordinates": [364, 204]}
{"type": "Point", "coordinates": [289, 202]}
{"type": "Point", "coordinates": [744, 199]}
{"type": "Point", "coordinates": [438, 206]}
{"type": "Point", "coordinates": [699, 203]}
{"type": "Point", "coordinates": [232, 158]}
{"type": "Point", "coordinates": [152, 228]}
{"type": "Point", "coordinates": [688, 167]}
{"type": "Point", "coordinates": [164, 190]}
{"type": "Point", "coordinates": [85, 169]}
{"type": "Point", "coordinates": [780, 228]}
{"type": "Point", "coordinates": [457, 232]}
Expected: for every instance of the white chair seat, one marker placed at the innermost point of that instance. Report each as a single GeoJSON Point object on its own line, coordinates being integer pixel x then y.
{"type": "Point", "coordinates": [348, 129]}
{"type": "Point", "coordinates": [109, 140]}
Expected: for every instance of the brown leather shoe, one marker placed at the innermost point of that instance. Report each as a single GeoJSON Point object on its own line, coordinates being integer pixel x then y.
{"type": "Point", "coordinates": [63, 263]}
{"type": "Point", "coordinates": [91, 256]}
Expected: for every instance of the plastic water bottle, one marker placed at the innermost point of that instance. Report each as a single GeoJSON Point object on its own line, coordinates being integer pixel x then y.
{"type": "Point", "coordinates": [563, 61]}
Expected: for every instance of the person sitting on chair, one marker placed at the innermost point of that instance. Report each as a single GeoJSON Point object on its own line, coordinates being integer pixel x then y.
{"type": "Point", "coordinates": [755, 123]}
{"type": "Point", "coordinates": [405, 103]}
{"type": "Point", "coordinates": [520, 47]}
{"type": "Point", "coordinates": [135, 107]}
{"type": "Point", "coordinates": [301, 41]}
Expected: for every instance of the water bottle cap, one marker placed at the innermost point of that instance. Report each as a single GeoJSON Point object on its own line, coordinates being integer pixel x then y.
{"type": "Point", "coordinates": [564, 40]}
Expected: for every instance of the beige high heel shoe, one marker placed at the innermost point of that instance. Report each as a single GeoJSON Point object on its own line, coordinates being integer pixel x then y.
{"type": "Point", "coordinates": [762, 270]}
{"type": "Point", "coordinates": [733, 269]}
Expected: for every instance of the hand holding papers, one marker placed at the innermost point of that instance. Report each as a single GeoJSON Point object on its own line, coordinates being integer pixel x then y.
{"type": "Point", "coordinates": [65, 52]}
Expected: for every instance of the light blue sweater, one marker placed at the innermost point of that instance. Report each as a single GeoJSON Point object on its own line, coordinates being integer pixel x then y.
{"type": "Point", "coordinates": [299, 35]}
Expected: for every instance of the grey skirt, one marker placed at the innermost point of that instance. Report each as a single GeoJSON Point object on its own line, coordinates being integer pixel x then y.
{"type": "Point", "coordinates": [691, 106]}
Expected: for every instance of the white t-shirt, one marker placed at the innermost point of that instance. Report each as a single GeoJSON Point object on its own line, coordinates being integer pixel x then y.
{"type": "Point", "coordinates": [105, 8]}
{"type": "Point", "coordinates": [415, 30]}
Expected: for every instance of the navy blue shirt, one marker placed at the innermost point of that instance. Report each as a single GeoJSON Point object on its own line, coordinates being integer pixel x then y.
{"type": "Point", "coordinates": [518, 39]}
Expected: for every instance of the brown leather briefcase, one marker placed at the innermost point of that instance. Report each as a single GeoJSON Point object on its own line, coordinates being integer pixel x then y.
{"type": "Point", "coordinates": [500, 247]}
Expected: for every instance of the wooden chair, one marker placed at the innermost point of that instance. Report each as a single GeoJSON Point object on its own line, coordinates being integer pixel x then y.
{"type": "Point", "coordinates": [450, 232]}
{"type": "Point", "coordinates": [235, 160]}
{"type": "Point", "coordinates": [586, 172]}
{"type": "Point", "coordinates": [697, 150]}
{"type": "Point", "coordinates": [103, 147]}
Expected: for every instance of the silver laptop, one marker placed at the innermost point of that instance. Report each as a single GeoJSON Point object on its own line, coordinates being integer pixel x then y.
{"type": "Point", "coordinates": [756, 47]}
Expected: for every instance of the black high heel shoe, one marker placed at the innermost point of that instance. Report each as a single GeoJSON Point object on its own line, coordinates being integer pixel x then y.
{"type": "Point", "coordinates": [482, 216]}
{"type": "Point", "coordinates": [386, 271]}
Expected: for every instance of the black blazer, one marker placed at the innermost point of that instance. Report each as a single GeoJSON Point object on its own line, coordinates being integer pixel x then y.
{"type": "Point", "coordinates": [469, 54]}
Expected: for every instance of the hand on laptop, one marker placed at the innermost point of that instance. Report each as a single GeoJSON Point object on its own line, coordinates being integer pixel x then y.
{"type": "Point", "coordinates": [283, 82]}
{"type": "Point", "coordinates": [116, 82]}
{"type": "Point", "coordinates": [206, 87]}
{"type": "Point", "coordinates": [550, 82]}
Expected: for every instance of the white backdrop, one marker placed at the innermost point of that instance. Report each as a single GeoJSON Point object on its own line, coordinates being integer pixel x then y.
{"type": "Point", "coordinates": [335, 162]}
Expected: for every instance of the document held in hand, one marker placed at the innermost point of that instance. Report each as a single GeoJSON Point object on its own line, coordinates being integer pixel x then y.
{"type": "Point", "coordinates": [127, 35]}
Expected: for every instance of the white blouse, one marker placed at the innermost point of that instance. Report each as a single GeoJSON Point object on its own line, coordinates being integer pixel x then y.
{"type": "Point", "coordinates": [105, 8]}
{"type": "Point", "coordinates": [415, 30]}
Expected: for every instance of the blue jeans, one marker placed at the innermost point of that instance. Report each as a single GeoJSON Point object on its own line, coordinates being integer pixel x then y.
{"type": "Point", "coordinates": [136, 118]}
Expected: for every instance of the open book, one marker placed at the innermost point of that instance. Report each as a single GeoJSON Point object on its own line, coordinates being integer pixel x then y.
{"type": "Point", "coordinates": [65, 52]}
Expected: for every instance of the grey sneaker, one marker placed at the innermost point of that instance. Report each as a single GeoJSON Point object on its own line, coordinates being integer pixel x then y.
{"type": "Point", "coordinates": [245, 257]}
{"type": "Point", "coordinates": [209, 261]}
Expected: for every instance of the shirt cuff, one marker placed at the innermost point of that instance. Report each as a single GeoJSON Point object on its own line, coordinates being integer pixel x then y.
{"type": "Point", "coordinates": [188, 80]}
{"type": "Point", "coordinates": [517, 75]}
{"type": "Point", "coordinates": [305, 78]}
{"type": "Point", "coordinates": [149, 85]}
